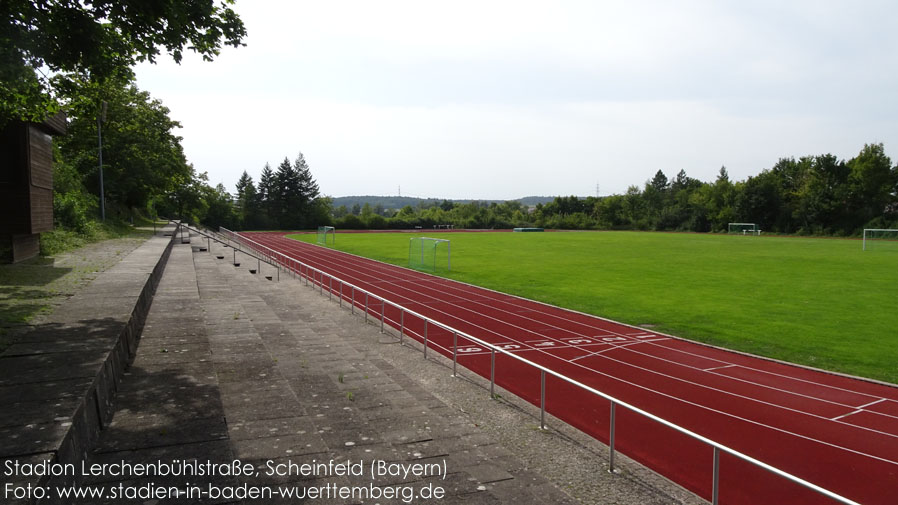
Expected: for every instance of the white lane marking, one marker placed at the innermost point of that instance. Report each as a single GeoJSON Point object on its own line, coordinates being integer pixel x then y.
{"type": "Point", "coordinates": [718, 367]}
{"type": "Point", "coordinates": [871, 403]}
{"type": "Point", "coordinates": [846, 415]}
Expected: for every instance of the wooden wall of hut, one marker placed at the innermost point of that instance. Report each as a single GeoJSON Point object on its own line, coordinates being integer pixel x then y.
{"type": "Point", "coordinates": [26, 186]}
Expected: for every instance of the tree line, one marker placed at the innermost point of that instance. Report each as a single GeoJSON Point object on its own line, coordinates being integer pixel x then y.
{"type": "Point", "coordinates": [819, 195]}
{"type": "Point", "coordinates": [287, 198]}
{"type": "Point", "coordinates": [146, 172]}
{"type": "Point", "coordinates": [78, 57]}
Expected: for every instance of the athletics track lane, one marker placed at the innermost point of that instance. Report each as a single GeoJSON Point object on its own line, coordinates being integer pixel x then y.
{"type": "Point", "coordinates": [837, 432]}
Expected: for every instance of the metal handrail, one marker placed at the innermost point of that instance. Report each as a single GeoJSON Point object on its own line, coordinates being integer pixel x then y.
{"type": "Point", "coordinates": [717, 446]}
{"type": "Point", "coordinates": [211, 236]}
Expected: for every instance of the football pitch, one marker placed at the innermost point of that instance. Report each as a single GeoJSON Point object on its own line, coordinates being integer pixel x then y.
{"type": "Point", "coordinates": [819, 302]}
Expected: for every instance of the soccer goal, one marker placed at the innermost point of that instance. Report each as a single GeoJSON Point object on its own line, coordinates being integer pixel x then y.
{"type": "Point", "coordinates": [425, 253]}
{"type": "Point", "coordinates": [324, 231]}
{"type": "Point", "coordinates": [880, 239]}
{"type": "Point", "coordinates": [743, 228]}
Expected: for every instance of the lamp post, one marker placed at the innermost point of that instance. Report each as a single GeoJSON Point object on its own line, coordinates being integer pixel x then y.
{"type": "Point", "coordinates": [100, 120]}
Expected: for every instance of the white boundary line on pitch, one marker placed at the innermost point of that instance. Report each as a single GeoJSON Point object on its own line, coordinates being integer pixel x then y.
{"type": "Point", "coordinates": [357, 267]}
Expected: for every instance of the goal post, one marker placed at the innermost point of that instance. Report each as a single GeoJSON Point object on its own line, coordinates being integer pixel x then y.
{"type": "Point", "coordinates": [880, 238]}
{"type": "Point", "coordinates": [323, 232]}
{"type": "Point", "coordinates": [743, 228]}
{"type": "Point", "coordinates": [426, 253]}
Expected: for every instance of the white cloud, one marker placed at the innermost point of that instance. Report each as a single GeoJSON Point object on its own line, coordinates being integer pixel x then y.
{"type": "Point", "coordinates": [505, 99]}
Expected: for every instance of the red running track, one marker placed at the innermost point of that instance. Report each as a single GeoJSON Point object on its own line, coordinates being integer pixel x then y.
{"type": "Point", "coordinates": [834, 431]}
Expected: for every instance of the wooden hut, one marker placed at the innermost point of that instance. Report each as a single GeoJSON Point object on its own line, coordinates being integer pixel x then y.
{"type": "Point", "coordinates": [26, 185]}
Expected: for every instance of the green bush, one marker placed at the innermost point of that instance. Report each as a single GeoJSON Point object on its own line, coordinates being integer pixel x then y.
{"type": "Point", "coordinates": [72, 210]}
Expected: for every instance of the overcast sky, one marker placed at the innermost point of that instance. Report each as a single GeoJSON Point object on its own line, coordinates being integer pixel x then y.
{"type": "Point", "coordinates": [494, 99]}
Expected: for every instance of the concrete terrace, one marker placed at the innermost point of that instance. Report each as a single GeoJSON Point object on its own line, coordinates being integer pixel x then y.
{"type": "Point", "coordinates": [232, 366]}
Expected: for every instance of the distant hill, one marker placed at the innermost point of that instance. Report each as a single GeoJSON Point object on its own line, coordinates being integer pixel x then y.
{"type": "Point", "coordinates": [533, 200]}
{"type": "Point", "coordinates": [398, 202]}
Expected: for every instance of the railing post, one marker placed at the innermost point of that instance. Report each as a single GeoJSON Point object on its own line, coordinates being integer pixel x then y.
{"type": "Point", "coordinates": [341, 293]}
{"type": "Point", "coordinates": [382, 304]}
{"type": "Point", "coordinates": [401, 324]}
{"type": "Point", "coordinates": [352, 310]}
{"type": "Point", "coordinates": [715, 487]}
{"type": "Point", "coordinates": [455, 354]}
{"type": "Point", "coordinates": [330, 287]}
{"type": "Point", "coordinates": [611, 440]}
{"type": "Point", "coordinates": [366, 306]}
{"type": "Point", "coordinates": [320, 283]}
{"type": "Point", "coordinates": [542, 399]}
{"type": "Point", "coordinates": [492, 374]}
{"type": "Point", "coordinates": [425, 339]}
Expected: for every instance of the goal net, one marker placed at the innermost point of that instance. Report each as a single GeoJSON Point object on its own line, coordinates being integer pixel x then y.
{"type": "Point", "coordinates": [743, 228]}
{"type": "Point", "coordinates": [880, 239]}
{"type": "Point", "coordinates": [324, 231]}
{"type": "Point", "coordinates": [431, 254]}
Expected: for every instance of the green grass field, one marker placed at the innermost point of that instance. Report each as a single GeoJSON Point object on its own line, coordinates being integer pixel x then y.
{"type": "Point", "coordinates": [820, 302]}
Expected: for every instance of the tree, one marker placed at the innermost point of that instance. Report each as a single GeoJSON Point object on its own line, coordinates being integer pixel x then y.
{"type": "Point", "coordinates": [759, 201]}
{"type": "Point", "coordinates": [219, 210]}
{"type": "Point", "coordinates": [655, 196]}
{"type": "Point", "coordinates": [186, 201]}
{"type": "Point", "coordinates": [871, 184]}
{"type": "Point", "coordinates": [247, 202]}
{"type": "Point", "coordinates": [142, 157]}
{"type": "Point", "coordinates": [266, 188]}
{"type": "Point", "coordinates": [659, 182]}
{"type": "Point", "coordinates": [821, 198]}
{"type": "Point", "coordinates": [308, 188]}
{"type": "Point", "coordinates": [49, 45]}
{"type": "Point", "coordinates": [285, 202]}
{"type": "Point", "coordinates": [307, 193]}
{"type": "Point", "coordinates": [721, 201]}
{"type": "Point", "coordinates": [340, 211]}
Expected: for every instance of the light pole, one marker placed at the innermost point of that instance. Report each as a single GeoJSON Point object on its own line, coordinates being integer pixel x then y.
{"type": "Point", "coordinates": [100, 120]}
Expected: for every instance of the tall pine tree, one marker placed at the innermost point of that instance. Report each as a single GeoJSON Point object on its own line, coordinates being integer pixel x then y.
{"type": "Point", "coordinates": [308, 188]}
{"type": "Point", "coordinates": [247, 202]}
{"type": "Point", "coordinates": [288, 208]}
{"type": "Point", "coordinates": [266, 193]}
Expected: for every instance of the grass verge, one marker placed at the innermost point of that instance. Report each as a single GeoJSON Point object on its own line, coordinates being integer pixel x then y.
{"type": "Point", "coordinates": [68, 261]}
